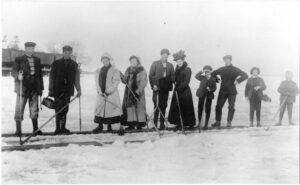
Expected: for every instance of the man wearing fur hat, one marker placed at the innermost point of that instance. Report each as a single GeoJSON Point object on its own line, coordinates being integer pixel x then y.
{"type": "Point", "coordinates": [64, 76]}
{"type": "Point", "coordinates": [230, 77]}
{"type": "Point", "coordinates": [161, 78]}
{"type": "Point", "coordinates": [27, 72]}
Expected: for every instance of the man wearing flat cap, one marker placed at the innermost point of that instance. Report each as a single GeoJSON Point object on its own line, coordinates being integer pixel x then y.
{"type": "Point", "coordinates": [27, 72]}
{"type": "Point", "coordinates": [230, 77]}
{"type": "Point", "coordinates": [64, 76]}
{"type": "Point", "coordinates": [161, 77]}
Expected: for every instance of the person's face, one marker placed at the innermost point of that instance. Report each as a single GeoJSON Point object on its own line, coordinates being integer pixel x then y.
{"type": "Point", "coordinates": [227, 61]}
{"type": "Point", "coordinates": [289, 76]}
{"type": "Point", "coordinates": [207, 73]}
{"type": "Point", "coordinates": [133, 62]}
{"type": "Point", "coordinates": [105, 61]}
{"type": "Point", "coordinates": [29, 50]}
{"type": "Point", "coordinates": [255, 73]}
{"type": "Point", "coordinates": [164, 56]}
{"type": "Point", "coordinates": [179, 62]}
{"type": "Point", "coordinates": [67, 54]}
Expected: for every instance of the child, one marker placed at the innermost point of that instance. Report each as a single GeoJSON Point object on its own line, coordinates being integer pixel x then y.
{"type": "Point", "coordinates": [205, 91]}
{"type": "Point", "coordinates": [288, 90]}
{"type": "Point", "coordinates": [254, 92]}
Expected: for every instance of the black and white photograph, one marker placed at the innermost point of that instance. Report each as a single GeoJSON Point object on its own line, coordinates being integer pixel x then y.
{"type": "Point", "coordinates": [150, 92]}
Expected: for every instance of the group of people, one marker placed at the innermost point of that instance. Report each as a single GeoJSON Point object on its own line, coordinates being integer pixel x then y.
{"type": "Point", "coordinates": [163, 78]}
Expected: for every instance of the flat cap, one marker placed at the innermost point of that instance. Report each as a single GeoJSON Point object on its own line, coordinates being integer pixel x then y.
{"type": "Point", "coordinates": [165, 51]}
{"type": "Point", "coordinates": [29, 44]}
{"type": "Point", "coordinates": [227, 57]}
{"type": "Point", "coordinates": [67, 48]}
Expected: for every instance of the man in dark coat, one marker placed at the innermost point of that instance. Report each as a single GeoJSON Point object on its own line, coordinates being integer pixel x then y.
{"type": "Point", "coordinates": [288, 90]}
{"type": "Point", "coordinates": [27, 72]}
{"type": "Point", "coordinates": [230, 77]}
{"type": "Point", "coordinates": [161, 77]}
{"type": "Point", "coordinates": [205, 92]}
{"type": "Point", "coordinates": [64, 75]}
{"type": "Point", "coordinates": [186, 110]}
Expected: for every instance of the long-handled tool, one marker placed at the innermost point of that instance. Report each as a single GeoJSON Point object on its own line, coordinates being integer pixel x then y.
{"type": "Point", "coordinates": [278, 111]}
{"type": "Point", "coordinates": [20, 104]}
{"type": "Point", "coordinates": [144, 107]}
{"type": "Point", "coordinates": [200, 121]}
{"type": "Point", "coordinates": [178, 104]}
{"type": "Point", "coordinates": [60, 110]}
{"type": "Point", "coordinates": [80, 114]}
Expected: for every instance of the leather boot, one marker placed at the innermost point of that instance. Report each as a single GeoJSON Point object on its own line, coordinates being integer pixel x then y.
{"type": "Point", "coordinates": [109, 129]}
{"type": "Point", "coordinates": [205, 126]}
{"type": "Point", "coordinates": [63, 126]}
{"type": "Point", "coordinates": [217, 124]}
{"type": "Point", "coordinates": [251, 124]}
{"type": "Point", "coordinates": [35, 127]}
{"type": "Point", "coordinates": [258, 124]}
{"type": "Point", "coordinates": [98, 129]}
{"type": "Point", "coordinates": [57, 130]}
{"type": "Point", "coordinates": [18, 128]}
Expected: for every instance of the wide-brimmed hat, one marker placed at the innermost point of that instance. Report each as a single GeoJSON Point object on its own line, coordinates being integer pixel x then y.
{"type": "Point", "coordinates": [179, 55]}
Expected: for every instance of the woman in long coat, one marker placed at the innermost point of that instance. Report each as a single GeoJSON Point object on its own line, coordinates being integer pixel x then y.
{"type": "Point", "coordinates": [134, 102]}
{"type": "Point", "coordinates": [108, 104]}
{"type": "Point", "coordinates": [182, 80]}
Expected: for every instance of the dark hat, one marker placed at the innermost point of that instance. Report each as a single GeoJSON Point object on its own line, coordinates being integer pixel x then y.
{"type": "Point", "coordinates": [255, 68]}
{"type": "Point", "coordinates": [135, 57]}
{"type": "Point", "coordinates": [29, 44]}
{"type": "Point", "coordinates": [207, 67]}
{"type": "Point", "coordinates": [179, 55]}
{"type": "Point", "coordinates": [165, 51]}
{"type": "Point", "coordinates": [67, 48]}
{"type": "Point", "coordinates": [227, 57]}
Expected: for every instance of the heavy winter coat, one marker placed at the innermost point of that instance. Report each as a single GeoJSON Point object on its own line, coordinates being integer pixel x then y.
{"type": "Point", "coordinates": [21, 64]}
{"type": "Point", "coordinates": [288, 88]}
{"type": "Point", "coordinates": [64, 76]}
{"type": "Point", "coordinates": [204, 84]}
{"type": "Point", "coordinates": [112, 107]}
{"type": "Point", "coordinates": [228, 76]}
{"type": "Point", "coordinates": [136, 79]}
{"type": "Point", "coordinates": [253, 82]}
{"type": "Point", "coordinates": [156, 76]}
{"type": "Point", "coordinates": [182, 80]}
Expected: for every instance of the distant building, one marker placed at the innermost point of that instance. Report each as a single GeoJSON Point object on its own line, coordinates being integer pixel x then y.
{"type": "Point", "coordinates": [9, 55]}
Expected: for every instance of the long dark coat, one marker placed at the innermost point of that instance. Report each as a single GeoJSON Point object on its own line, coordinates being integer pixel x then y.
{"type": "Point", "coordinates": [182, 79]}
{"type": "Point", "coordinates": [64, 76]}
{"type": "Point", "coordinates": [288, 88]}
{"type": "Point", "coordinates": [253, 82]}
{"type": "Point", "coordinates": [21, 63]}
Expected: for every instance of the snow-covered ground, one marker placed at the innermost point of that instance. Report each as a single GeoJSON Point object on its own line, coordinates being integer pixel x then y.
{"type": "Point", "coordinates": [250, 155]}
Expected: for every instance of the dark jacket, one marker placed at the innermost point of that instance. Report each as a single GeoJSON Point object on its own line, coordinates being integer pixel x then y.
{"type": "Point", "coordinates": [204, 83]}
{"type": "Point", "coordinates": [253, 82]}
{"type": "Point", "coordinates": [183, 77]}
{"type": "Point", "coordinates": [64, 75]}
{"type": "Point", "coordinates": [228, 75]}
{"type": "Point", "coordinates": [288, 88]}
{"type": "Point", "coordinates": [21, 63]}
{"type": "Point", "coordinates": [156, 76]}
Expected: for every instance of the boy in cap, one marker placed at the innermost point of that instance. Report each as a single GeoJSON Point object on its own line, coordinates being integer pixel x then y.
{"type": "Point", "coordinates": [161, 78]}
{"type": "Point", "coordinates": [230, 77]}
{"type": "Point", "coordinates": [64, 76]}
{"type": "Point", "coordinates": [288, 90]}
{"type": "Point", "coordinates": [27, 72]}
{"type": "Point", "coordinates": [205, 92]}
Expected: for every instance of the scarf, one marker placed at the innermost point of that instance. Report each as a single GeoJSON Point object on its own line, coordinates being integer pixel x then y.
{"type": "Point", "coordinates": [102, 77]}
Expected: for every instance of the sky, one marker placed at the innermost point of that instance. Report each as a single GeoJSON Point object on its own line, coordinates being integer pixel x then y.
{"type": "Point", "coordinates": [255, 33]}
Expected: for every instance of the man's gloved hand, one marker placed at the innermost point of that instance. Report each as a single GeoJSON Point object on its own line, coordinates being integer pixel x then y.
{"type": "Point", "coordinates": [78, 94]}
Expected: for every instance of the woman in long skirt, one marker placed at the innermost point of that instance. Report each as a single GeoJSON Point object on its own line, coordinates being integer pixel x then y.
{"type": "Point", "coordinates": [134, 103]}
{"type": "Point", "coordinates": [182, 80]}
{"type": "Point", "coordinates": [108, 104]}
